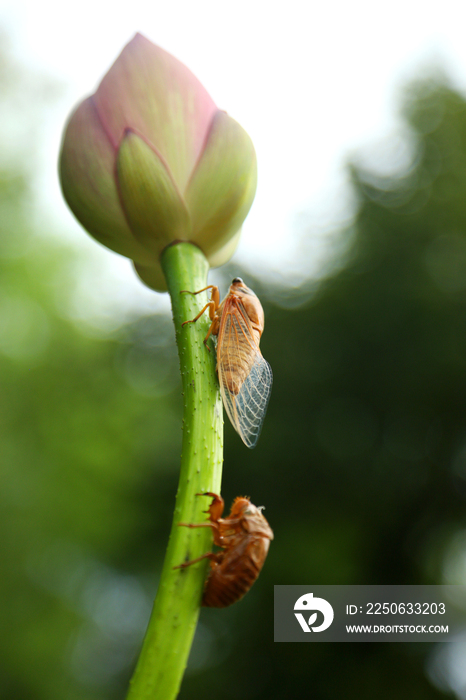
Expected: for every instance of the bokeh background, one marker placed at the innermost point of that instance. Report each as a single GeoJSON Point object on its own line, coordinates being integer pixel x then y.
{"type": "Point", "coordinates": [361, 464]}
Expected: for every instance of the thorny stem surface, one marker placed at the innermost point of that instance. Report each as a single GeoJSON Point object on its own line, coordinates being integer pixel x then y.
{"type": "Point", "coordinates": [171, 628]}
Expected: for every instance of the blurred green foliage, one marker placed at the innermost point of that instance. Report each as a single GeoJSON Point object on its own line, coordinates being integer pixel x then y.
{"type": "Point", "coordinates": [361, 464]}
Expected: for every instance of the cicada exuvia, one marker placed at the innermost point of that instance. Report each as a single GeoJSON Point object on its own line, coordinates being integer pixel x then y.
{"type": "Point", "coordinates": [245, 377]}
{"type": "Point", "coordinates": [244, 537]}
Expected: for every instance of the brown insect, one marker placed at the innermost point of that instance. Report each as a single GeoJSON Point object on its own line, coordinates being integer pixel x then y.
{"type": "Point", "coordinates": [244, 537]}
{"type": "Point", "coordinates": [245, 377]}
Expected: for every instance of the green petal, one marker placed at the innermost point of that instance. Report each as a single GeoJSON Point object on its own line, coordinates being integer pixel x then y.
{"type": "Point", "coordinates": [223, 185]}
{"type": "Point", "coordinates": [224, 254]}
{"type": "Point", "coordinates": [153, 206]}
{"type": "Point", "coordinates": [153, 277]}
{"type": "Point", "coordinates": [87, 164]}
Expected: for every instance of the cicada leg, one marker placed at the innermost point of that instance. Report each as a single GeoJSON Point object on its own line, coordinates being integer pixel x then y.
{"type": "Point", "coordinates": [216, 507]}
{"type": "Point", "coordinates": [212, 305]}
{"type": "Point", "coordinates": [215, 510]}
{"type": "Point", "coordinates": [210, 286]}
{"type": "Point", "coordinates": [209, 555]}
{"type": "Point", "coordinates": [191, 525]}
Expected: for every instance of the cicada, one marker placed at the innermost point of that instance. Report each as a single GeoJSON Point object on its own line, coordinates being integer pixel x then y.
{"type": "Point", "coordinates": [244, 537]}
{"type": "Point", "coordinates": [245, 377]}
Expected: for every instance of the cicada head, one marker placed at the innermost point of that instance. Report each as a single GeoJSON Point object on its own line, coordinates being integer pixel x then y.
{"type": "Point", "coordinates": [251, 517]}
{"type": "Point", "coordinates": [238, 287]}
{"type": "Point", "coordinates": [240, 506]}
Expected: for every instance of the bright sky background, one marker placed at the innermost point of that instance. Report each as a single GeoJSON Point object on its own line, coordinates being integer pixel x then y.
{"type": "Point", "coordinates": [310, 82]}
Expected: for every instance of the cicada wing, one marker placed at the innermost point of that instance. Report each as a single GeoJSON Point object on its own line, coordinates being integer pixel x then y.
{"type": "Point", "coordinates": [246, 409]}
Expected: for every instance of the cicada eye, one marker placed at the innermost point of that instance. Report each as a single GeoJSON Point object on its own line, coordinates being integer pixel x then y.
{"type": "Point", "coordinates": [237, 280]}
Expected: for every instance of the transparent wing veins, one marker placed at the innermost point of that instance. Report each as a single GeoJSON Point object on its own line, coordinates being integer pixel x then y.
{"type": "Point", "coordinates": [245, 378]}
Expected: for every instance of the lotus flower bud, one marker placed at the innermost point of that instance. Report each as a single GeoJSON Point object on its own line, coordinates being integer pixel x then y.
{"type": "Point", "coordinates": [149, 160]}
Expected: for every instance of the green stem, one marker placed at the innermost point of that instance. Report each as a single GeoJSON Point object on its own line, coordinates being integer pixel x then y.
{"type": "Point", "coordinates": [168, 639]}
